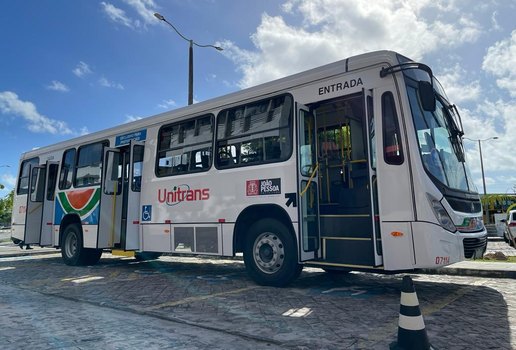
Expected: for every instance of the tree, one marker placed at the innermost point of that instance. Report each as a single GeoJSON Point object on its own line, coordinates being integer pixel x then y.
{"type": "Point", "coordinates": [6, 207]}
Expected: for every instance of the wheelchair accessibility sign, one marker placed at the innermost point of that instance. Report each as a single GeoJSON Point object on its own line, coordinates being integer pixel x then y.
{"type": "Point", "coordinates": [147, 213]}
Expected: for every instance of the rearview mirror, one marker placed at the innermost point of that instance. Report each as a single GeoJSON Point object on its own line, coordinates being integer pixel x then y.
{"type": "Point", "coordinates": [427, 96]}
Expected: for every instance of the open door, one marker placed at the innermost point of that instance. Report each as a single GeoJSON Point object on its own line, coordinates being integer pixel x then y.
{"type": "Point", "coordinates": [35, 201]}
{"type": "Point", "coordinates": [132, 189]}
{"type": "Point", "coordinates": [52, 170]}
{"type": "Point", "coordinates": [373, 184]}
{"type": "Point", "coordinates": [308, 181]}
{"type": "Point", "coordinates": [111, 199]}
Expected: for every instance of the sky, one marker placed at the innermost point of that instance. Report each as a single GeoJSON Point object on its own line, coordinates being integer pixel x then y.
{"type": "Point", "coordinates": [74, 67]}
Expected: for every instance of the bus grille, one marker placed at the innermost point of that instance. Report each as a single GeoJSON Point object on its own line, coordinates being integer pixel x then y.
{"type": "Point", "coordinates": [474, 245]}
{"type": "Point", "coordinates": [464, 205]}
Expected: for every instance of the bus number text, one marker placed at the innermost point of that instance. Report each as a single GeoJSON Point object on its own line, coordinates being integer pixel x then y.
{"type": "Point", "coordinates": [441, 260]}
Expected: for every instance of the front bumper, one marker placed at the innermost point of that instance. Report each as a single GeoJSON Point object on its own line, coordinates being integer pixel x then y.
{"type": "Point", "coordinates": [474, 248]}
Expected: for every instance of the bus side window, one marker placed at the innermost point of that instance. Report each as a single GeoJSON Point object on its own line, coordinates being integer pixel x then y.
{"type": "Point", "coordinates": [23, 179]}
{"type": "Point", "coordinates": [88, 170]}
{"type": "Point", "coordinates": [255, 133]}
{"type": "Point", "coordinates": [185, 147]}
{"type": "Point", "coordinates": [65, 176]}
{"type": "Point", "coordinates": [392, 150]}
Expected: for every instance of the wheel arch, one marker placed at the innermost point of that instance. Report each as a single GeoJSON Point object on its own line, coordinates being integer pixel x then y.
{"type": "Point", "coordinates": [252, 214]}
{"type": "Point", "coordinates": [67, 220]}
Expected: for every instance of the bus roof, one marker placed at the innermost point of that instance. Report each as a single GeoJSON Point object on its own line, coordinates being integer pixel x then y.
{"type": "Point", "coordinates": [217, 103]}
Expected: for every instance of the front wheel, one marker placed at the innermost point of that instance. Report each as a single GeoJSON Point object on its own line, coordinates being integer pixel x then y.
{"type": "Point", "coordinates": [270, 254]}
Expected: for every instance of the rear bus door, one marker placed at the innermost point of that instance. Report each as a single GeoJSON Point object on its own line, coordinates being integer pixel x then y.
{"type": "Point", "coordinates": [48, 204]}
{"type": "Point", "coordinates": [110, 199]}
{"type": "Point", "coordinates": [131, 216]}
{"type": "Point", "coordinates": [34, 216]}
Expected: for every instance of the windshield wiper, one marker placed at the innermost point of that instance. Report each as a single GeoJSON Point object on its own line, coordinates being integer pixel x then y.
{"type": "Point", "coordinates": [456, 131]}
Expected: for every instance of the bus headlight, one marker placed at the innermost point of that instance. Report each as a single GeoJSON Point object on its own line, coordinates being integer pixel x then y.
{"type": "Point", "coordinates": [441, 214]}
{"type": "Point", "coordinates": [474, 224]}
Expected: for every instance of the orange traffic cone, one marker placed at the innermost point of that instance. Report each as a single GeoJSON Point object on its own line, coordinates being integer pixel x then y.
{"type": "Point", "coordinates": [411, 326]}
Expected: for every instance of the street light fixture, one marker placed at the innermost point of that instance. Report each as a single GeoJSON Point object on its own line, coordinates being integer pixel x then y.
{"type": "Point", "coordinates": [481, 160]}
{"type": "Point", "coordinates": [190, 55]}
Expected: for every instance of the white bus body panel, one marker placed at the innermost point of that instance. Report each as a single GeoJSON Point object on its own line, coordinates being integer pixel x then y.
{"type": "Point", "coordinates": [156, 238]}
{"type": "Point", "coordinates": [434, 246]}
{"type": "Point", "coordinates": [90, 233]}
{"type": "Point", "coordinates": [398, 250]}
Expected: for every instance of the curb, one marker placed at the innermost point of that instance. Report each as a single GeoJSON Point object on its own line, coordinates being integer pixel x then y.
{"type": "Point", "coordinates": [452, 271]}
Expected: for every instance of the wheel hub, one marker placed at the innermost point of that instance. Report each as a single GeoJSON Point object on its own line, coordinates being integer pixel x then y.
{"type": "Point", "coordinates": [269, 253]}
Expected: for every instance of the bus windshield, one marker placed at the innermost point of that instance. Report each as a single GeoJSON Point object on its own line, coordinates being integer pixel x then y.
{"type": "Point", "coordinates": [440, 145]}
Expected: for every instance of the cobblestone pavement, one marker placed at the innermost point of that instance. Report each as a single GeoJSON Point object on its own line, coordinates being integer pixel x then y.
{"type": "Point", "coordinates": [32, 320]}
{"type": "Point", "coordinates": [318, 311]}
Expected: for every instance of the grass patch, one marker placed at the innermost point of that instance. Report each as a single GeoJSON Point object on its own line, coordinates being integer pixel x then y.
{"type": "Point", "coordinates": [509, 259]}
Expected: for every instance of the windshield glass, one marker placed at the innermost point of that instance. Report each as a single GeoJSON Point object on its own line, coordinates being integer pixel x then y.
{"type": "Point", "coordinates": [439, 144]}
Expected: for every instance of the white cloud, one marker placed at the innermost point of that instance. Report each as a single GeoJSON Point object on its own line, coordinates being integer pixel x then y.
{"type": "Point", "coordinates": [491, 119]}
{"type": "Point", "coordinates": [110, 84]}
{"type": "Point", "coordinates": [131, 118]}
{"type": "Point", "coordinates": [500, 61]}
{"type": "Point", "coordinates": [57, 86]}
{"type": "Point", "coordinates": [10, 104]}
{"type": "Point", "coordinates": [166, 104]}
{"type": "Point", "coordinates": [82, 69]}
{"type": "Point", "coordinates": [144, 8]}
{"type": "Point", "coordinates": [117, 15]}
{"type": "Point", "coordinates": [8, 180]}
{"type": "Point", "coordinates": [336, 29]}
{"type": "Point", "coordinates": [457, 87]}
{"type": "Point", "coordinates": [84, 131]}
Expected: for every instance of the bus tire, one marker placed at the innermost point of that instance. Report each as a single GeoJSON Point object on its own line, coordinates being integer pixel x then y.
{"type": "Point", "coordinates": [72, 249]}
{"type": "Point", "coordinates": [91, 256]}
{"type": "Point", "coordinates": [144, 256]}
{"type": "Point", "coordinates": [270, 254]}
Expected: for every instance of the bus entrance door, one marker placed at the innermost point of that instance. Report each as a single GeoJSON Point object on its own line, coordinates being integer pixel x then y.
{"type": "Point", "coordinates": [346, 211]}
{"type": "Point", "coordinates": [308, 190]}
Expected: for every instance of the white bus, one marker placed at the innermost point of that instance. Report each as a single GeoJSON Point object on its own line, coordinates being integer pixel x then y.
{"type": "Point", "coordinates": [355, 165]}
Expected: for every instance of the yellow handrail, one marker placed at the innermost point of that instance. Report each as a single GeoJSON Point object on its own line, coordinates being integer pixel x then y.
{"type": "Point", "coordinates": [310, 180]}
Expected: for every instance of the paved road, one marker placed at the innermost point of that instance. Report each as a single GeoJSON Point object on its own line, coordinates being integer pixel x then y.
{"type": "Point", "coordinates": [164, 302]}
{"type": "Point", "coordinates": [31, 320]}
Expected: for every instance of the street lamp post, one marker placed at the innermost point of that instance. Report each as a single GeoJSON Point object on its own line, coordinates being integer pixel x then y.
{"type": "Point", "coordinates": [481, 160]}
{"type": "Point", "coordinates": [190, 55]}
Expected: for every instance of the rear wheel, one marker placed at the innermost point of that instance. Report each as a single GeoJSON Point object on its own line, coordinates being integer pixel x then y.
{"type": "Point", "coordinates": [92, 256]}
{"type": "Point", "coordinates": [72, 249]}
{"type": "Point", "coordinates": [270, 254]}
